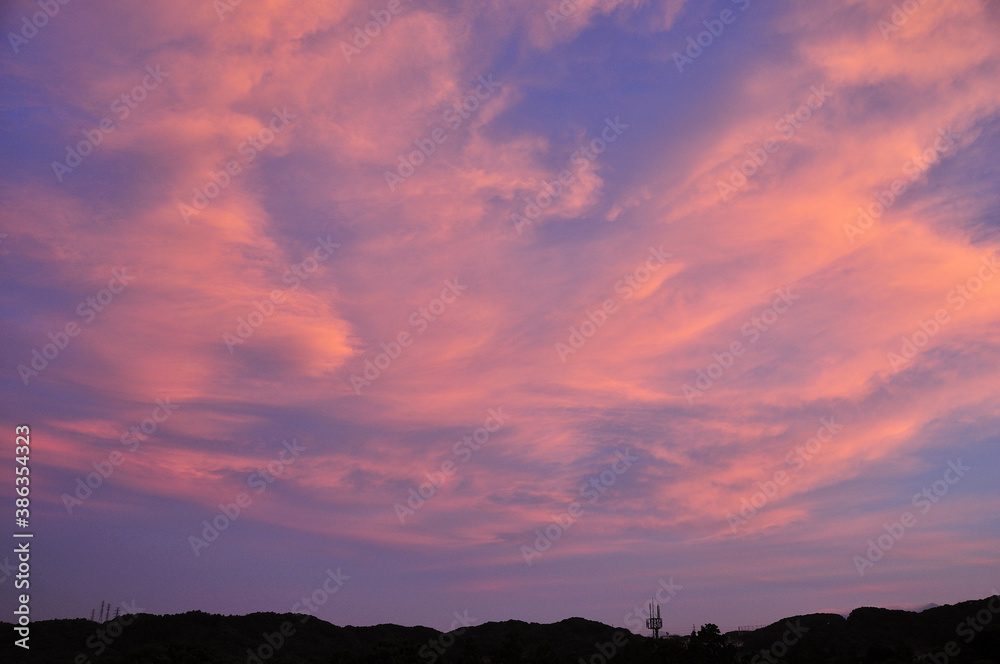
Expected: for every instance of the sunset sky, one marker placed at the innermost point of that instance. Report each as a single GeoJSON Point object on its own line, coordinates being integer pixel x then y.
{"type": "Point", "coordinates": [637, 294]}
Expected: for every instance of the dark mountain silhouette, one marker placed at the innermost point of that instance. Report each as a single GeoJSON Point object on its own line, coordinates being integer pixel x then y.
{"type": "Point", "coordinates": [965, 633]}
{"type": "Point", "coordinates": [874, 635]}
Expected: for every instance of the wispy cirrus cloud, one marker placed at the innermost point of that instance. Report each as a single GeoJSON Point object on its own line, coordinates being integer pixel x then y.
{"type": "Point", "coordinates": [321, 177]}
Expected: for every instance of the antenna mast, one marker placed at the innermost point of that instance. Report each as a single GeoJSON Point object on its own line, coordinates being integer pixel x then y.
{"type": "Point", "coordinates": [654, 622]}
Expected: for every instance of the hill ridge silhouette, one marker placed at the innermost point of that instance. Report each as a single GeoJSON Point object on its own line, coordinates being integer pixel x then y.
{"type": "Point", "coordinates": [871, 635]}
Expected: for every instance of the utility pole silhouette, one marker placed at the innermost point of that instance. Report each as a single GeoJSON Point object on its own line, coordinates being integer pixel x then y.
{"type": "Point", "coordinates": [92, 615]}
{"type": "Point", "coordinates": [101, 614]}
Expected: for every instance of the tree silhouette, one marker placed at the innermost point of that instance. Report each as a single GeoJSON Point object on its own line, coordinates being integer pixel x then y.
{"type": "Point", "coordinates": [708, 645]}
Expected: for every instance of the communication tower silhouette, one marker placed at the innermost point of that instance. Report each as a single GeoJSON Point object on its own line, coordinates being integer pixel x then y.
{"type": "Point", "coordinates": [654, 623]}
